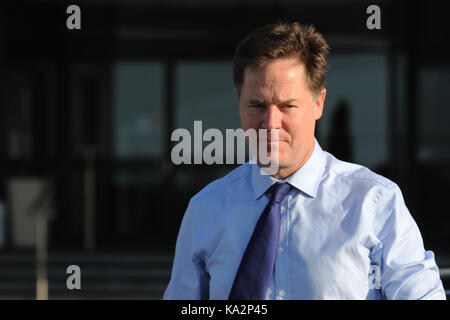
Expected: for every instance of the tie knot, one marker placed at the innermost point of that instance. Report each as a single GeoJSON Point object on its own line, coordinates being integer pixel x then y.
{"type": "Point", "coordinates": [280, 190]}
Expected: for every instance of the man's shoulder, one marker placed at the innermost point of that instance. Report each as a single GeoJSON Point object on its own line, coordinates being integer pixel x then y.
{"type": "Point", "coordinates": [226, 184]}
{"type": "Point", "coordinates": [357, 174]}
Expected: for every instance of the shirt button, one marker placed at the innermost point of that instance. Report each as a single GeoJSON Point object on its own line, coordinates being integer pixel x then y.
{"type": "Point", "coordinates": [280, 250]}
{"type": "Point", "coordinates": [282, 293]}
{"type": "Point", "coordinates": [283, 208]}
{"type": "Point", "coordinates": [269, 294]}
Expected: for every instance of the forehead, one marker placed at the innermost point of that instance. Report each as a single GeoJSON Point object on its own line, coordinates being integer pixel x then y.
{"type": "Point", "coordinates": [279, 79]}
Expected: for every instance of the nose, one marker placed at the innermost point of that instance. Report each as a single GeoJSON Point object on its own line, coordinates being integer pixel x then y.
{"type": "Point", "coordinates": [272, 118]}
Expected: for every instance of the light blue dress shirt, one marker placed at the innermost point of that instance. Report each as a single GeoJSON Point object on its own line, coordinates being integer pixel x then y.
{"type": "Point", "coordinates": [345, 233]}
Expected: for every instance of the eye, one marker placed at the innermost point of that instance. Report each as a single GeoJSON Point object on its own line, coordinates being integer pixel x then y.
{"type": "Point", "coordinates": [257, 106]}
{"type": "Point", "coordinates": [289, 106]}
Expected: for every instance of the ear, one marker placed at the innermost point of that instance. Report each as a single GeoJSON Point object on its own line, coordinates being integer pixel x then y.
{"type": "Point", "coordinates": [318, 104]}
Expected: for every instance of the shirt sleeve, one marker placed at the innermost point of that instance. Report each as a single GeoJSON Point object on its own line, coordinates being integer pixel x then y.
{"type": "Point", "coordinates": [189, 280]}
{"type": "Point", "coordinates": [408, 272]}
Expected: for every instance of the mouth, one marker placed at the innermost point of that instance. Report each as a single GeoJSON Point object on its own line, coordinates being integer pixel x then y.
{"type": "Point", "coordinates": [275, 141]}
{"type": "Point", "coordinates": [274, 145]}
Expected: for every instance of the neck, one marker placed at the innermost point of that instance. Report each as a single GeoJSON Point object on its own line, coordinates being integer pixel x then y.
{"type": "Point", "coordinates": [285, 172]}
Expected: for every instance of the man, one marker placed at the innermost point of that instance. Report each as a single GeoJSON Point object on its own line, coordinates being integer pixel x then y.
{"type": "Point", "coordinates": [336, 230]}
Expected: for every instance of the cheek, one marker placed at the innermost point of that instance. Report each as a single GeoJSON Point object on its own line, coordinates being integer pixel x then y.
{"type": "Point", "coordinates": [243, 119]}
{"type": "Point", "coordinates": [245, 123]}
{"type": "Point", "coordinates": [249, 120]}
{"type": "Point", "coordinates": [299, 128]}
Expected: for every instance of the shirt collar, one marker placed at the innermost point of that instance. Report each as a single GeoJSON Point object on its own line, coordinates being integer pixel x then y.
{"type": "Point", "coordinates": [306, 178]}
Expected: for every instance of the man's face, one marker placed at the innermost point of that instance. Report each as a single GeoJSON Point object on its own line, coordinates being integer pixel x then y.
{"type": "Point", "coordinates": [276, 97]}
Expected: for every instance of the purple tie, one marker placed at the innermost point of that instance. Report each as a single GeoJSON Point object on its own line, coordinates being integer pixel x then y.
{"type": "Point", "coordinates": [255, 271]}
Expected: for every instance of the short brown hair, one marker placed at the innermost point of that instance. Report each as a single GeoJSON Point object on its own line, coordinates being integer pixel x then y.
{"type": "Point", "coordinates": [283, 40]}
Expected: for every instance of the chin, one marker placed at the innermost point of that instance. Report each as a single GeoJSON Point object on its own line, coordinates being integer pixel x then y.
{"type": "Point", "coordinates": [282, 161]}
{"type": "Point", "coordinates": [282, 158]}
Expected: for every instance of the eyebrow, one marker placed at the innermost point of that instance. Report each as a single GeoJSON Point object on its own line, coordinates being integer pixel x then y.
{"type": "Point", "coordinates": [256, 101]}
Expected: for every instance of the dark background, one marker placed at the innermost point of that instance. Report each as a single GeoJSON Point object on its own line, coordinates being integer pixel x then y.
{"type": "Point", "coordinates": [89, 114]}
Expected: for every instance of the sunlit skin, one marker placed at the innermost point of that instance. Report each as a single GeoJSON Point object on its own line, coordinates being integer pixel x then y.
{"type": "Point", "coordinates": [275, 96]}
